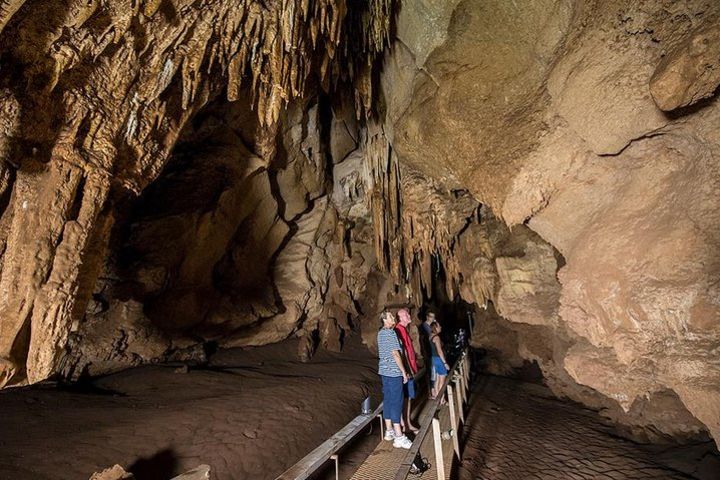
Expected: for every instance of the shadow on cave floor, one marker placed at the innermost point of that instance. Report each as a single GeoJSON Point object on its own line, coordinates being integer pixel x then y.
{"type": "Point", "coordinates": [159, 421]}
{"type": "Point", "coordinates": [518, 430]}
{"type": "Point", "coordinates": [160, 465]}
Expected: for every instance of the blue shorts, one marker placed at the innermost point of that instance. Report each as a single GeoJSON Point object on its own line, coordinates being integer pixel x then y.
{"type": "Point", "coordinates": [439, 366]}
{"type": "Point", "coordinates": [409, 389]}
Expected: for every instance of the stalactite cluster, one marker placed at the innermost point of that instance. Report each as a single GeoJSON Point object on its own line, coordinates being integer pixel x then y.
{"type": "Point", "coordinates": [278, 45]}
{"type": "Point", "coordinates": [94, 95]}
{"type": "Point", "coordinates": [417, 222]}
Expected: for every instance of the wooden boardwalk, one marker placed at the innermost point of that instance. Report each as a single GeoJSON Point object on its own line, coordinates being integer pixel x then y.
{"type": "Point", "coordinates": [383, 462]}
{"type": "Point", "coordinates": [437, 440]}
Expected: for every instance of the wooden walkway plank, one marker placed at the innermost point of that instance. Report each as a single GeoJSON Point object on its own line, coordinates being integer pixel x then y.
{"type": "Point", "coordinates": [453, 421]}
{"type": "Point", "coordinates": [313, 460]}
{"type": "Point", "coordinates": [384, 461]}
{"type": "Point", "coordinates": [389, 463]}
{"type": "Point", "coordinates": [437, 443]}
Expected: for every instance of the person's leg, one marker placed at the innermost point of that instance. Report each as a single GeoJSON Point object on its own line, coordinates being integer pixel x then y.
{"type": "Point", "coordinates": [386, 390]}
{"type": "Point", "coordinates": [400, 441]}
{"type": "Point", "coordinates": [409, 390]}
{"type": "Point", "coordinates": [441, 382]}
{"type": "Point", "coordinates": [394, 403]}
{"type": "Point", "coordinates": [436, 374]}
{"type": "Point", "coordinates": [432, 379]}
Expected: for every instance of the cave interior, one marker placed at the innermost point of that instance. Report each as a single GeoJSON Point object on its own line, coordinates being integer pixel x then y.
{"type": "Point", "coordinates": [183, 183]}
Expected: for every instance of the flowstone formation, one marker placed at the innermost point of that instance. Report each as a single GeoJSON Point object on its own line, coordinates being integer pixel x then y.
{"type": "Point", "coordinates": [590, 130]}
{"type": "Point", "coordinates": [182, 175]}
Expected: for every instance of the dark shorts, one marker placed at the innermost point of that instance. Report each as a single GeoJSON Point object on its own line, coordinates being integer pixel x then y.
{"type": "Point", "coordinates": [439, 366]}
{"type": "Point", "coordinates": [409, 389]}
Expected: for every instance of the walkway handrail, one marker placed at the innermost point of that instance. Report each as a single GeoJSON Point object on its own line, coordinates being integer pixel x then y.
{"type": "Point", "coordinates": [429, 414]}
{"type": "Point", "coordinates": [329, 448]}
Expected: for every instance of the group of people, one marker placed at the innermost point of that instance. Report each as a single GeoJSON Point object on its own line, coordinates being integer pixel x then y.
{"type": "Point", "coordinates": [398, 369]}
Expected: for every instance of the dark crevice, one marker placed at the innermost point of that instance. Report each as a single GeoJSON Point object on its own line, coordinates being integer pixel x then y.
{"type": "Point", "coordinates": [73, 212]}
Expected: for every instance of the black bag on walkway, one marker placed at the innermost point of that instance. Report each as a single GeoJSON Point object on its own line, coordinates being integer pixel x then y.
{"type": "Point", "coordinates": [419, 465]}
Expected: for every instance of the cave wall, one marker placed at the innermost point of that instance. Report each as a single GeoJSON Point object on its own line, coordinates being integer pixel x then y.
{"type": "Point", "coordinates": [591, 125]}
{"type": "Point", "coordinates": [225, 250]}
{"type": "Point", "coordinates": [94, 98]}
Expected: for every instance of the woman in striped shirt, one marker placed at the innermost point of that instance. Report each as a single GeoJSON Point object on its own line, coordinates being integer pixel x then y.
{"type": "Point", "coordinates": [391, 369]}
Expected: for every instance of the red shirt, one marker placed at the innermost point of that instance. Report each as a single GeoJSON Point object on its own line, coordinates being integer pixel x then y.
{"type": "Point", "coordinates": [407, 346]}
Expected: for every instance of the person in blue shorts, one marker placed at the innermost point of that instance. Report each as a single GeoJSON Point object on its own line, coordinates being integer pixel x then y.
{"type": "Point", "coordinates": [391, 369]}
{"type": "Point", "coordinates": [438, 358]}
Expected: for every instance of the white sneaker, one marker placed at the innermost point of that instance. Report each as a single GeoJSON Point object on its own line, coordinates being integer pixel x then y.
{"type": "Point", "coordinates": [402, 442]}
{"type": "Point", "coordinates": [389, 435]}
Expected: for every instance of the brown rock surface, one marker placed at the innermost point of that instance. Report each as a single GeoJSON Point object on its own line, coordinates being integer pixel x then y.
{"type": "Point", "coordinates": [545, 115]}
{"type": "Point", "coordinates": [116, 472]}
{"type": "Point", "coordinates": [95, 96]}
{"type": "Point", "coordinates": [689, 73]}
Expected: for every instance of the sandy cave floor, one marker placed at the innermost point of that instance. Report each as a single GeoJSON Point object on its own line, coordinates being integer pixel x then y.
{"type": "Point", "coordinates": [250, 415]}
{"type": "Point", "coordinates": [518, 430]}
{"type": "Point", "coordinates": [254, 412]}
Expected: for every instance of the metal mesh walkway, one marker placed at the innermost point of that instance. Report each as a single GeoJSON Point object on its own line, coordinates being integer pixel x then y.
{"type": "Point", "coordinates": [383, 462]}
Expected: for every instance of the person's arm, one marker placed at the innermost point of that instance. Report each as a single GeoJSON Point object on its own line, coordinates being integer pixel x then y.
{"type": "Point", "coordinates": [398, 359]}
{"type": "Point", "coordinates": [441, 354]}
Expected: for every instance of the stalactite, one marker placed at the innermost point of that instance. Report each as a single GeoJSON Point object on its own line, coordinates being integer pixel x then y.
{"type": "Point", "coordinates": [7, 10]}
{"type": "Point", "coordinates": [108, 85]}
{"type": "Point", "coordinates": [279, 48]}
{"type": "Point", "coordinates": [415, 220]}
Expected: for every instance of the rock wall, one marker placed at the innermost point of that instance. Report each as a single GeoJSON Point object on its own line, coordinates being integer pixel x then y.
{"type": "Point", "coordinates": [591, 125]}
{"type": "Point", "coordinates": [94, 98]}
{"type": "Point", "coordinates": [225, 250]}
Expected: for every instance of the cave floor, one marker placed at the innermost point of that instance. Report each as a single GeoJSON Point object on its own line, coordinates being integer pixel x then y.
{"type": "Point", "coordinates": [250, 414]}
{"type": "Point", "coordinates": [518, 430]}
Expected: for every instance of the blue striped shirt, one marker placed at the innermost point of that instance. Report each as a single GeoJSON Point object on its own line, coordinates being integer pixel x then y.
{"type": "Point", "coordinates": [388, 342]}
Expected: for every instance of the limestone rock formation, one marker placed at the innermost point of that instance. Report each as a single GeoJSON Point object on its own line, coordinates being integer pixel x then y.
{"type": "Point", "coordinates": [181, 175]}
{"type": "Point", "coordinates": [691, 72]}
{"type": "Point", "coordinates": [544, 113]}
{"type": "Point", "coordinates": [116, 472]}
{"type": "Point", "coordinates": [94, 98]}
{"type": "Point", "coordinates": [200, 473]}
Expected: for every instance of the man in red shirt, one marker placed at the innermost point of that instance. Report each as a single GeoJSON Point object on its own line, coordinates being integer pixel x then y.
{"type": "Point", "coordinates": [401, 327]}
